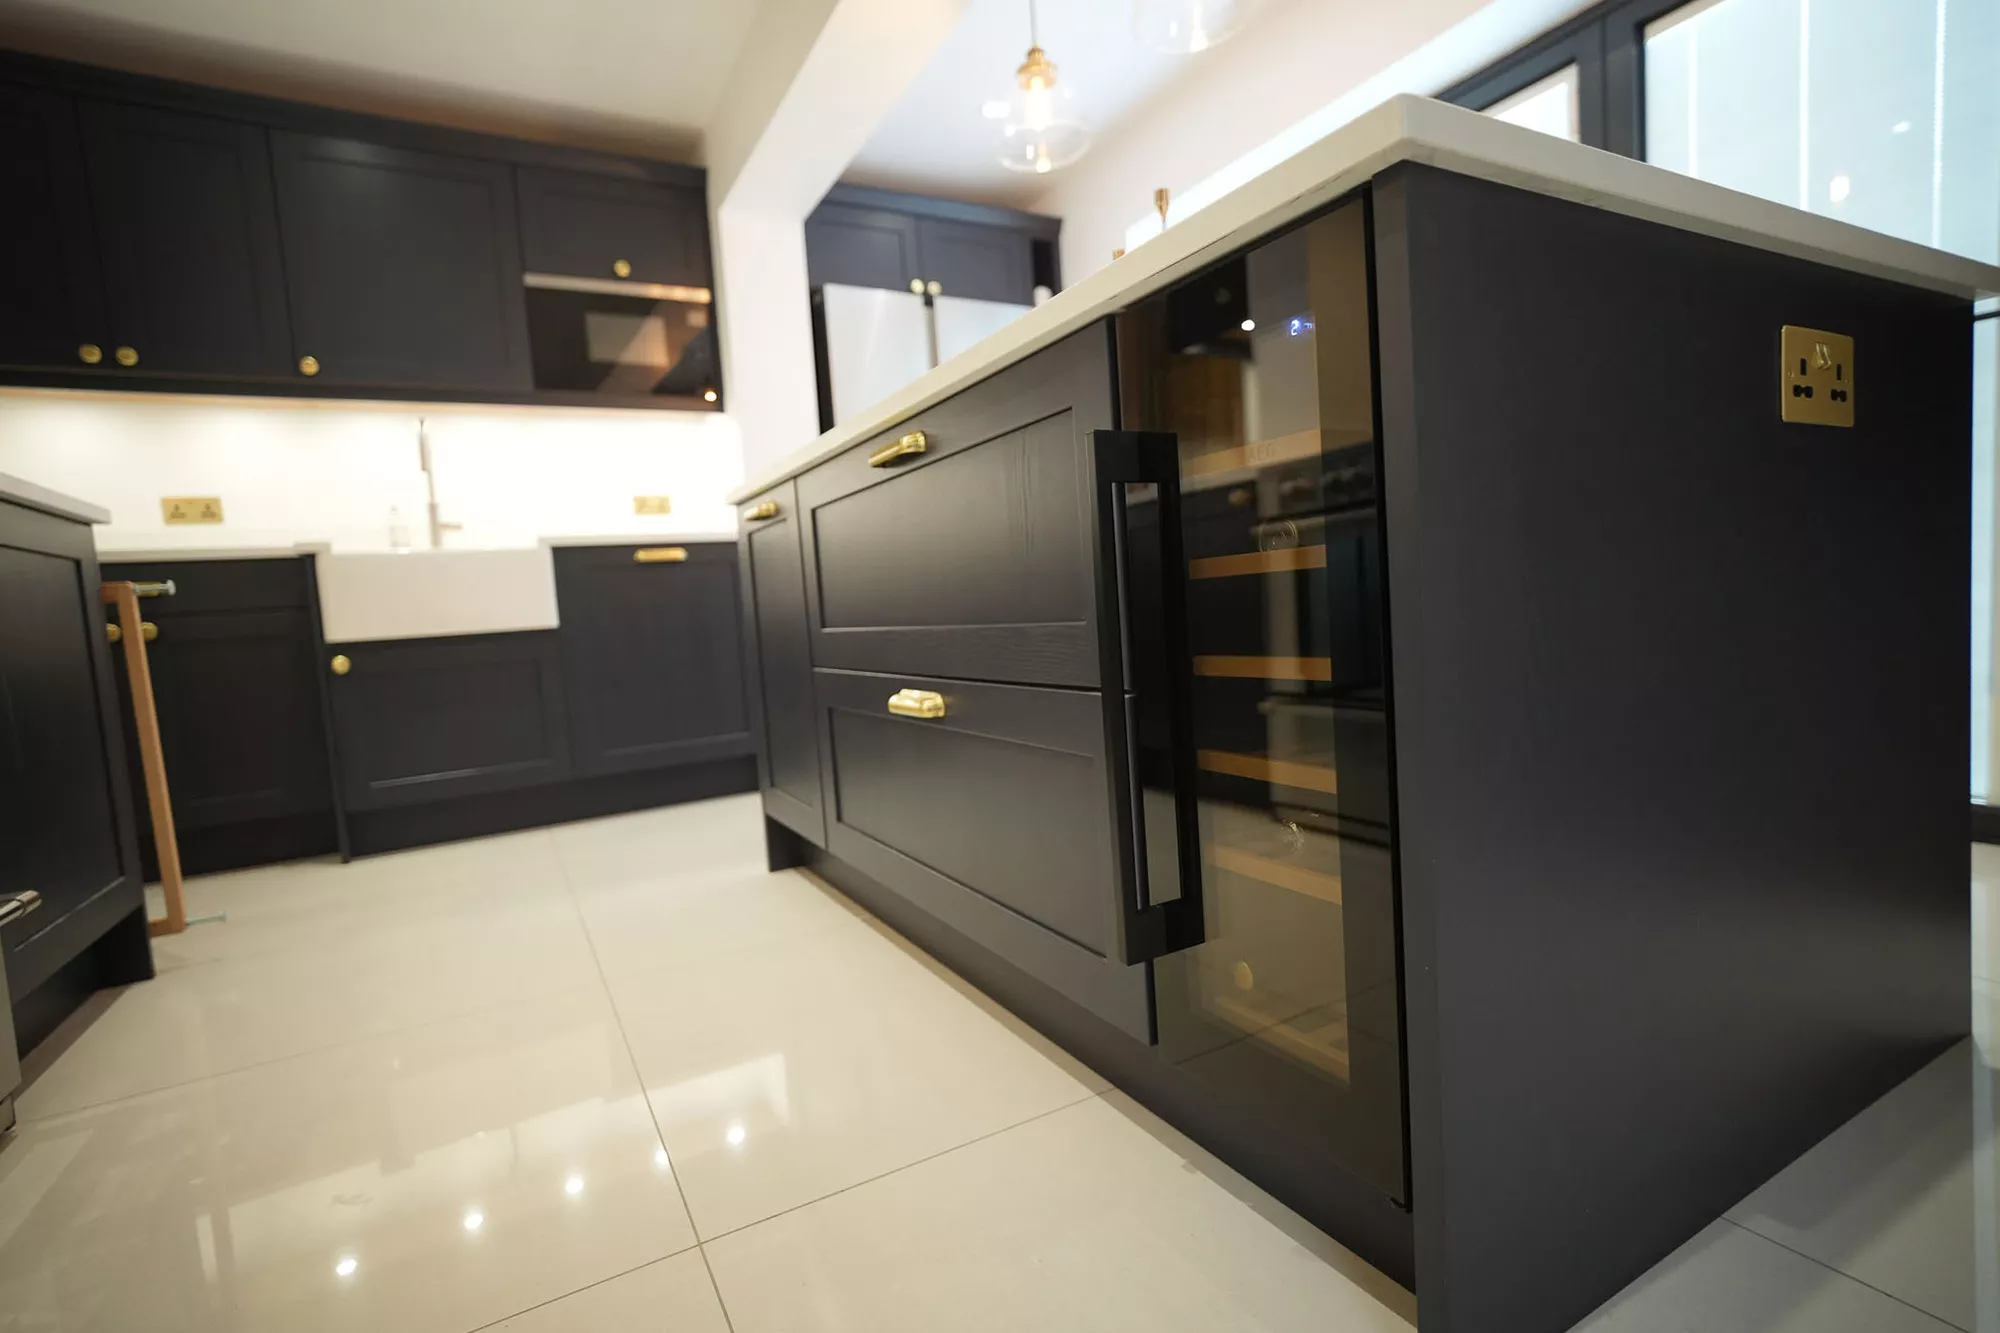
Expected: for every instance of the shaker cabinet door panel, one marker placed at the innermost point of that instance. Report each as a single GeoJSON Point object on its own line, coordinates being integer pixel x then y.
{"type": "Point", "coordinates": [973, 557]}
{"type": "Point", "coordinates": [977, 261]}
{"type": "Point", "coordinates": [188, 228]}
{"type": "Point", "coordinates": [420, 720]}
{"type": "Point", "coordinates": [781, 670]}
{"type": "Point", "coordinates": [51, 291]}
{"type": "Point", "coordinates": [652, 657]}
{"type": "Point", "coordinates": [402, 268]}
{"type": "Point", "coordinates": [861, 247]}
{"type": "Point", "coordinates": [589, 226]}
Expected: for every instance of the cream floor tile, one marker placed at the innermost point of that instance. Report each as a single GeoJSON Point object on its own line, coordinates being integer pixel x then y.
{"type": "Point", "coordinates": [302, 904]}
{"type": "Point", "coordinates": [722, 837]}
{"type": "Point", "coordinates": [641, 927]}
{"type": "Point", "coordinates": [1728, 1280]}
{"type": "Point", "coordinates": [436, 1179]}
{"type": "Point", "coordinates": [1892, 1198]}
{"type": "Point", "coordinates": [671, 1296]}
{"type": "Point", "coordinates": [1096, 1217]}
{"type": "Point", "coordinates": [218, 1017]}
{"type": "Point", "coordinates": [781, 1074]}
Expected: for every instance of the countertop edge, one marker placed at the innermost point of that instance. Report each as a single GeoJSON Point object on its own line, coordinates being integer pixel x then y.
{"type": "Point", "coordinates": [1426, 131]}
{"type": "Point", "coordinates": [195, 554]}
{"type": "Point", "coordinates": [29, 495]}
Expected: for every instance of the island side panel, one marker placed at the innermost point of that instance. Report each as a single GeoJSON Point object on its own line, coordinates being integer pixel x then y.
{"type": "Point", "coordinates": [1681, 722]}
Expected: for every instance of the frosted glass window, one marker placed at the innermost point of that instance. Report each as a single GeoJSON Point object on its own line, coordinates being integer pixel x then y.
{"type": "Point", "coordinates": [1548, 105]}
{"type": "Point", "coordinates": [1883, 113]}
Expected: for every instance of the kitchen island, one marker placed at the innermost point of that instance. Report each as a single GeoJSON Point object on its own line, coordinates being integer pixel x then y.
{"type": "Point", "coordinates": [1441, 674]}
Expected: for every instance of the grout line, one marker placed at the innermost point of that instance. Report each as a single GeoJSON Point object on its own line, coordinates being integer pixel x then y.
{"type": "Point", "coordinates": [638, 1078]}
{"type": "Point", "coordinates": [1940, 1320]}
{"type": "Point", "coordinates": [528, 1309]}
{"type": "Point", "coordinates": [895, 1170]}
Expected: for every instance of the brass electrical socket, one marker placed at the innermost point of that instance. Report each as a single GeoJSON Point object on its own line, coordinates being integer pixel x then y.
{"type": "Point", "coordinates": [1817, 386]}
{"type": "Point", "coordinates": [652, 504]}
{"type": "Point", "coordinates": [177, 509]}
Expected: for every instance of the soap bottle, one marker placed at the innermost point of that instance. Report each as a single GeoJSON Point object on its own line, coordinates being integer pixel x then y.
{"type": "Point", "coordinates": [399, 531]}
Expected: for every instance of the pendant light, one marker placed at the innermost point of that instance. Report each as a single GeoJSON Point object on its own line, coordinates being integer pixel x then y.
{"type": "Point", "coordinates": [1039, 134]}
{"type": "Point", "coordinates": [1184, 27]}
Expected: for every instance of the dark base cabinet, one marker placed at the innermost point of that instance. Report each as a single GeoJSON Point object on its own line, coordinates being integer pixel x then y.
{"type": "Point", "coordinates": [66, 829]}
{"type": "Point", "coordinates": [1391, 700]}
{"type": "Point", "coordinates": [236, 685]}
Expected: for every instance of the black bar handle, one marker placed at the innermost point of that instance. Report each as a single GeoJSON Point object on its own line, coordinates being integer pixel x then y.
{"type": "Point", "coordinates": [1145, 672]}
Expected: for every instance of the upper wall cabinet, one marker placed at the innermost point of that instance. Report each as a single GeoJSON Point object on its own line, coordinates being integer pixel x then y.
{"type": "Point", "coordinates": [402, 267]}
{"type": "Point", "coordinates": [880, 238]}
{"type": "Point", "coordinates": [51, 295]}
{"type": "Point", "coordinates": [861, 247]}
{"type": "Point", "coordinates": [187, 230]}
{"type": "Point", "coordinates": [588, 226]}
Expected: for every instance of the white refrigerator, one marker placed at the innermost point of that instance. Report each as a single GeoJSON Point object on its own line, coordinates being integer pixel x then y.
{"type": "Point", "coordinates": [878, 340]}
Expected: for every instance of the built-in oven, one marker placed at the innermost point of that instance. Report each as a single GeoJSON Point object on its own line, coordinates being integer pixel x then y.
{"type": "Point", "coordinates": [599, 335]}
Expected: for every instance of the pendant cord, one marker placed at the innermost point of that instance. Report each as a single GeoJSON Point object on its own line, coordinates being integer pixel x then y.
{"type": "Point", "coordinates": [1034, 34]}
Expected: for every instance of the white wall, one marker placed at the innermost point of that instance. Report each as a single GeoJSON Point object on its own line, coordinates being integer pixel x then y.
{"type": "Point", "coordinates": [294, 471]}
{"type": "Point", "coordinates": [1293, 62]}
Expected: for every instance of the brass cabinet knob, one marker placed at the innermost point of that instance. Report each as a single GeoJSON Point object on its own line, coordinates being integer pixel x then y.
{"type": "Point", "coordinates": [90, 354]}
{"type": "Point", "coordinates": [113, 633]}
{"type": "Point", "coordinates": [768, 509]}
{"type": "Point", "coordinates": [917, 703]}
{"type": "Point", "coordinates": [308, 365]}
{"type": "Point", "coordinates": [340, 664]}
{"type": "Point", "coordinates": [126, 356]}
{"type": "Point", "coordinates": [934, 287]}
{"type": "Point", "coordinates": [148, 630]}
{"type": "Point", "coordinates": [622, 267]}
{"type": "Point", "coordinates": [917, 286]}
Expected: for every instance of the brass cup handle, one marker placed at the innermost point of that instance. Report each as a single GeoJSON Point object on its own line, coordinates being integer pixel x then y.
{"type": "Point", "coordinates": [917, 703]}
{"type": "Point", "coordinates": [915, 442]}
{"type": "Point", "coordinates": [341, 664]}
{"type": "Point", "coordinates": [660, 555]}
{"type": "Point", "coordinates": [757, 512]}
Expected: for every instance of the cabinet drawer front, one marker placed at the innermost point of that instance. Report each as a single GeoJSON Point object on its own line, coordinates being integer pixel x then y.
{"type": "Point", "coordinates": [973, 557]}
{"type": "Point", "coordinates": [217, 585]}
{"type": "Point", "coordinates": [995, 817]}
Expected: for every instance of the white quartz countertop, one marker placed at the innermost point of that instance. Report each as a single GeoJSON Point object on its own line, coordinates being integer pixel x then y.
{"type": "Point", "coordinates": [17, 490]}
{"type": "Point", "coordinates": [138, 555]}
{"type": "Point", "coordinates": [1408, 129]}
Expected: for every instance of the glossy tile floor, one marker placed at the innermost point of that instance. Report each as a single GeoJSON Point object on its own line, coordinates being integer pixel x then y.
{"type": "Point", "coordinates": [614, 1076]}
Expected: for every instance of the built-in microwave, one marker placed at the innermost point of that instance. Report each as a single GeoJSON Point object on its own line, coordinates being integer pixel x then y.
{"type": "Point", "coordinates": [598, 335]}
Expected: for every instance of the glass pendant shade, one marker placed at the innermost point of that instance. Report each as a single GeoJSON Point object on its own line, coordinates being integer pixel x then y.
{"type": "Point", "coordinates": [1184, 27]}
{"type": "Point", "coordinates": [1039, 135]}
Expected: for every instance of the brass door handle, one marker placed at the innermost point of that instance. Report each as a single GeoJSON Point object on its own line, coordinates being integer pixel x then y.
{"type": "Point", "coordinates": [768, 509]}
{"type": "Point", "coordinates": [341, 664]}
{"type": "Point", "coordinates": [917, 286]}
{"type": "Point", "coordinates": [148, 630]}
{"type": "Point", "coordinates": [308, 365]}
{"type": "Point", "coordinates": [90, 354]}
{"type": "Point", "coordinates": [113, 633]}
{"type": "Point", "coordinates": [917, 703]}
{"type": "Point", "coordinates": [126, 356]}
{"type": "Point", "coordinates": [622, 267]}
{"type": "Point", "coordinates": [660, 555]}
{"type": "Point", "coordinates": [915, 442]}
{"type": "Point", "coordinates": [934, 287]}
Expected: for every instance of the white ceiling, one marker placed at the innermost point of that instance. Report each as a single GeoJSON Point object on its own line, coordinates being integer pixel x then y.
{"type": "Point", "coordinates": [935, 140]}
{"type": "Point", "coordinates": [636, 74]}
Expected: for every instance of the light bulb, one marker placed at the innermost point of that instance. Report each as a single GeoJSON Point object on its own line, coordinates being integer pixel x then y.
{"type": "Point", "coordinates": [345, 1268]}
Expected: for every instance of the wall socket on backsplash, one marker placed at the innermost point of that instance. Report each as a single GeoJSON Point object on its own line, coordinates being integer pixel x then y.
{"type": "Point", "coordinates": [178, 509]}
{"type": "Point", "coordinates": [652, 504]}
